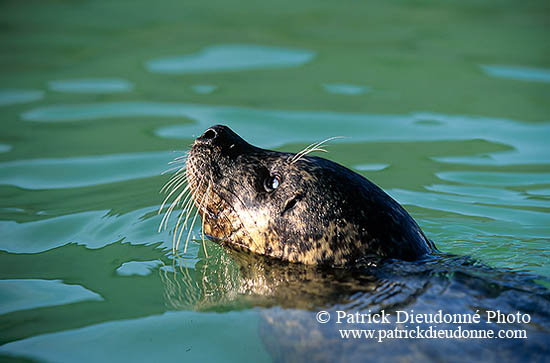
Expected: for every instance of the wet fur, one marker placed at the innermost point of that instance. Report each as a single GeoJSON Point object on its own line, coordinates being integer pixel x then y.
{"type": "Point", "coordinates": [321, 213]}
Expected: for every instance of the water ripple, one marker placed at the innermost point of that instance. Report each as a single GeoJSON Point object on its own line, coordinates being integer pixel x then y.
{"type": "Point", "coordinates": [470, 207]}
{"type": "Point", "coordinates": [204, 89]}
{"type": "Point", "coordinates": [83, 171]}
{"type": "Point", "coordinates": [490, 195]}
{"type": "Point", "coordinates": [26, 294]}
{"type": "Point", "coordinates": [518, 73]}
{"type": "Point", "coordinates": [140, 268]}
{"type": "Point", "coordinates": [345, 89]}
{"type": "Point", "coordinates": [495, 178]}
{"type": "Point", "coordinates": [81, 345]}
{"type": "Point", "coordinates": [231, 57]}
{"type": "Point", "coordinates": [540, 192]}
{"type": "Point", "coordinates": [4, 148]}
{"type": "Point", "coordinates": [14, 96]}
{"type": "Point", "coordinates": [371, 167]}
{"type": "Point", "coordinates": [93, 229]}
{"type": "Point", "coordinates": [91, 85]}
{"type": "Point", "coordinates": [270, 128]}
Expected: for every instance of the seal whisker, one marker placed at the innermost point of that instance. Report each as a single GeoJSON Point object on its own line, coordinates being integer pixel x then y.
{"type": "Point", "coordinates": [307, 148]}
{"type": "Point", "coordinates": [179, 160]}
{"type": "Point", "coordinates": [173, 205]}
{"type": "Point", "coordinates": [299, 153]}
{"type": "Point", "coordinates": [182, 157]}
{"type": "Point", "coordinates": [178, 184]}
{"type": "Point", "coordinates": [179, 175]}
{"type": "Point", "coordinates": [187, 212]}
{"type": "Point", "coordinates": [193, 222]}
{"type": "Point", "coordinates": [310, 151]}
{"type": "Point", "coordinates": [176, 201]}
{"type": "Point", "coordinates": [179, 168]}
{"type": "Point", "coordinates": [313, 147]}
{"type": "Point", "coordinates": [174, 183]}
{"type": "Point", "coordinates": [202, 219]}
{"type": "Point", "coordinates": [189, 205]}
{"type": "Point", "coordinates": [175, 189]}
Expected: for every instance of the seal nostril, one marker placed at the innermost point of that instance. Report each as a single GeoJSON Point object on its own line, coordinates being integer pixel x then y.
{"type": "Point", "coordinates": [209, 134]}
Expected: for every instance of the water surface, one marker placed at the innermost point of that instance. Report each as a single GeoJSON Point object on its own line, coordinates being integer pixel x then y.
{"type": "Point", "coordinates": [98, 98]}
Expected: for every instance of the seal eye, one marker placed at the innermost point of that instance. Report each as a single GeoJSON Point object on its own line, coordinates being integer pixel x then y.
{"type": "Point", "coordinates": [272, 182]}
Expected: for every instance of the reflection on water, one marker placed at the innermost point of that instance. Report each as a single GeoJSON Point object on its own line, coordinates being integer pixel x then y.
{"type": "Point", "coordinates": [26, 294]}
{"type": "Point", "coordinates": [296, 292]}
{"type": "Point", "coordinates": [371, 167]}
{"type": "Point", "coordinates": [4, 148]}
{"type": "Point", "coordinates": [83, 171]}
{"type": "Point", "coordinates": [173, 334]}
{"type": "Point", "coordinates": [345, 89]}
{"type": "Point", "coordinates": [14, 96]}
{"type": "Point", "coordinates": [91, 85]}
{"type": "Point", "coordinates": [141, 268]}
{"type": "Point", "coordinates": [288, 296]}
{"type": "Point", "coordinates": [231, 57]}
{"type": "Point", "coordinates": [269, 128]}
{"type": "Point", "coordinates": [518, 73]}
{"type": "Point", "coordinates": [94, 229]}
{"type": "Point", "coordinates": [473, 206]}
{"type": "Point", "coordinates": [539, 192]}
{"type": "Point", "coordinates": [485, 195]}
{"type": "Point", "coordinates": [204, 89]}
{"type": "Point", "coordinates": [495, 178]}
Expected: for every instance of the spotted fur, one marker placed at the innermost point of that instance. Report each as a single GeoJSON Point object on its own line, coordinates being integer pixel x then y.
{"type": "Point", "coordinates": [320, 212]}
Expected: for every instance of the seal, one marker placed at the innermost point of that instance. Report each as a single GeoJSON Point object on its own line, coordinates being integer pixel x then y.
{"type": "Point", "coordinates": [294, 207]}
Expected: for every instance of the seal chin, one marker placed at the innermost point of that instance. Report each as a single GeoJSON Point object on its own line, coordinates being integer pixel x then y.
{"type": "Point", "coordinates": [294, 207]}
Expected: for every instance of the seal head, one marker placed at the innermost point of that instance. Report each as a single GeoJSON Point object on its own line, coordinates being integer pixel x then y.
{"type": "Point", "coordinates": [294, 207]}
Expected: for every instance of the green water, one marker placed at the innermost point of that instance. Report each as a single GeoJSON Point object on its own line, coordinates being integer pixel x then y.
{"type": "Point", "coordinates": [445, 105]}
